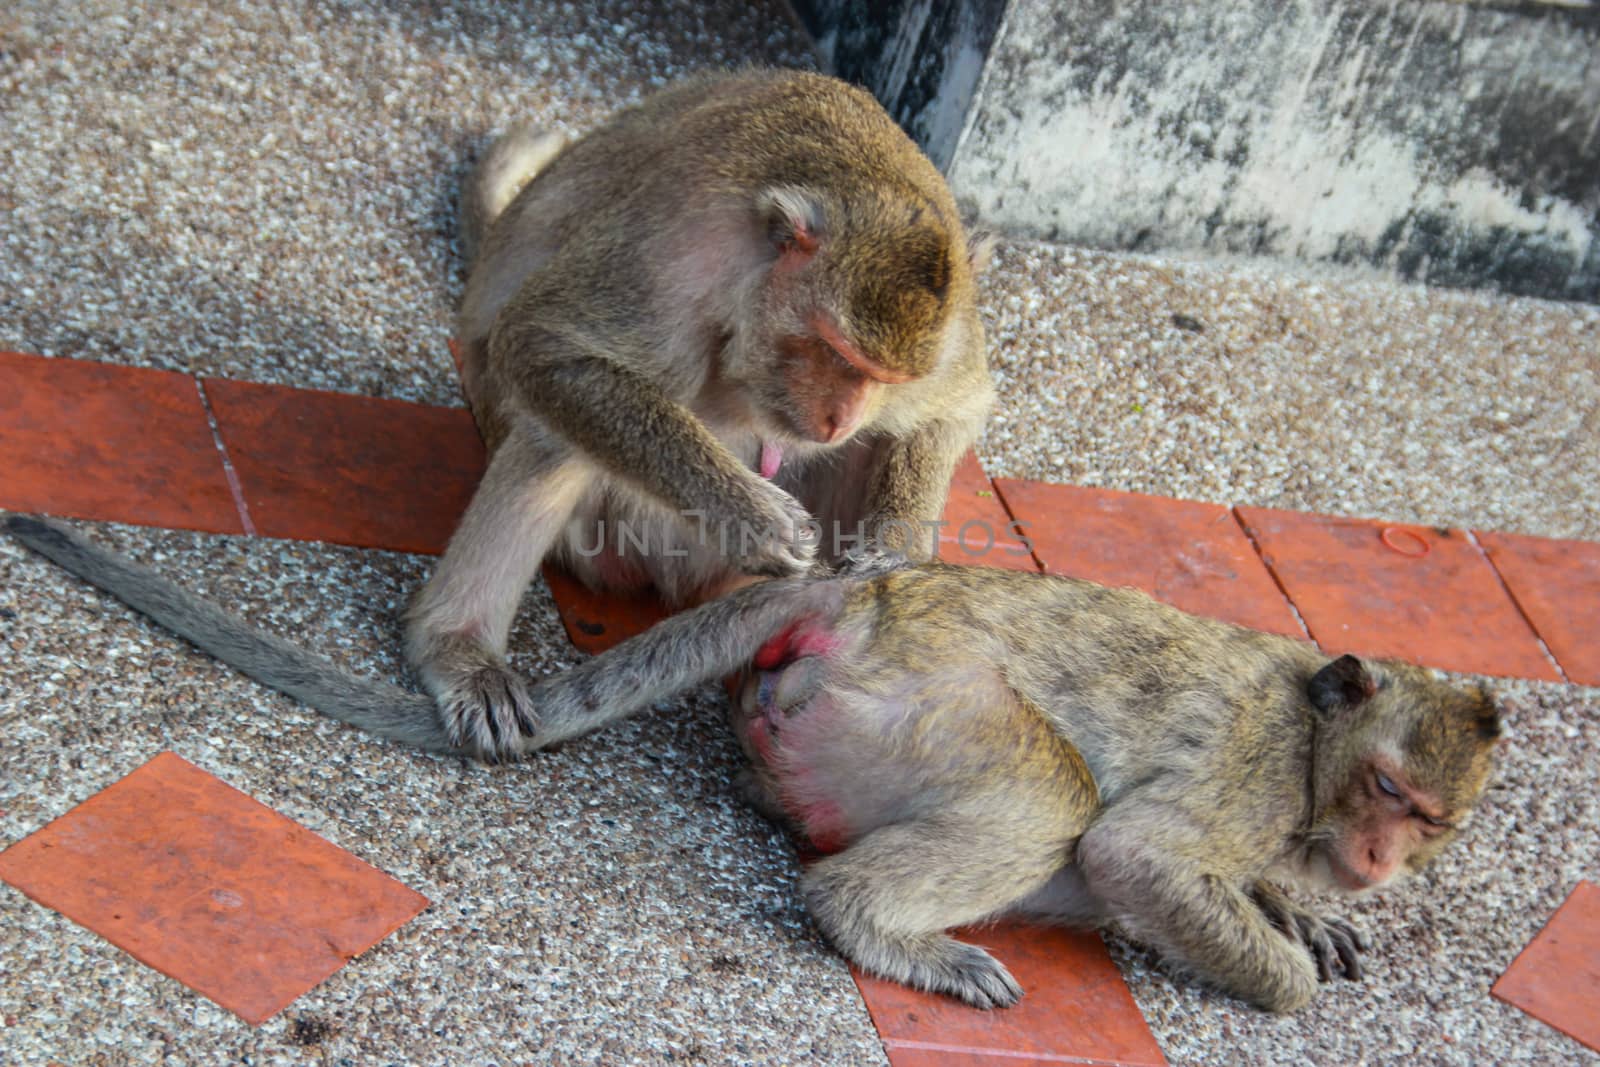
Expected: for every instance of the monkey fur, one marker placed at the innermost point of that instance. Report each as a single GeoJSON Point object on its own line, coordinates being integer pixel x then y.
{"type": "Point", "coordinates": [743, 306]}
{"type": "Point", "coordinates": [965, 743]}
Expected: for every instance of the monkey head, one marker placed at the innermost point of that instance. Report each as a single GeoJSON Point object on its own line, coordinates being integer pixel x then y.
{"type": "Point", "coordinates": [859, 297]}
{"type": "Point", "coordinates": [1399, 761]}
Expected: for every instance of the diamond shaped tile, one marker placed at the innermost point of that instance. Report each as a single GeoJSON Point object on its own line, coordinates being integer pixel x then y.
{"type": "Point", "coordinates": [206, 885]}
{"type": "Point", "coordinates": [1557, 977]}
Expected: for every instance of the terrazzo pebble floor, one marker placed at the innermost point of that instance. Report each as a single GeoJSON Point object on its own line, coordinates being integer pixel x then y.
{"type": "Point", "coordinates": [264, 193]}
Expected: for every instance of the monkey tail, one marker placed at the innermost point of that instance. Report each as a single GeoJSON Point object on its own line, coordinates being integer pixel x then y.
{"type": "Point", "coordinates": [679, 653]}
{"type": "Point", "coordinates": [512, 161]}
{"type": "Point", "coordinates": [314, 680]}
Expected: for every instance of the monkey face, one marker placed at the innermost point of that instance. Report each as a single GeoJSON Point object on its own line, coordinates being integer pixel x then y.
{"type": "Point", "coordinates": [822, 386]}
{"type": "Point", "coordinates": [1387, 825]}
{"type": "Point", "coordinates": [1407, 790]}
{"type": "Point", "coordinates": [857, 296]}
{"type": "Point", "coordinates": [827, 397]}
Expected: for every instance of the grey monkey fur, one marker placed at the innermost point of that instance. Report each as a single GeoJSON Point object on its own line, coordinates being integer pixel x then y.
{"type": "Point", "coordinates": [671, 654]}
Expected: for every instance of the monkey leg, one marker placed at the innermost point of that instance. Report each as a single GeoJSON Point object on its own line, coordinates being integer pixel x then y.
{"type": "Point", "coordinates": [457, 627]}
{"type": "Point", "coordinates": [886, 900]}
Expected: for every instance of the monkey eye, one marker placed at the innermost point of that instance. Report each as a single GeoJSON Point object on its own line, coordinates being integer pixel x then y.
{"type": "Point", "coordinates": [1386, 785]}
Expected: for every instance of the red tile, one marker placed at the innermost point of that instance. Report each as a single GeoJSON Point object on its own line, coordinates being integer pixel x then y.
{"type": "Point", "coordinates": [196, 879]}
{"type": "Point", "coordinates": [1075, 1007]}
{"type": "Point", "coordinates": [1557, 585]}
{"type": "Point", "coordinates": [119, 444]}
{"type": "Point", "coordinates": [354, 470]}
{"type": "Point", "coordinates": [1182, 552]}
{"type": "Point", "coordinates": [1557, 977]}
{"type": "Point", "coordinates": [1386, 589]}
{"type": "Point", "coordinates": [977, 527]}
{"type": "Point", "coordinates": [596, 621]}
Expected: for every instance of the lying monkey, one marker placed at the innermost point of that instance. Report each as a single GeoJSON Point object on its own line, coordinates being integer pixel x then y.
{"type": "Point", "coordinates": [967, 743]}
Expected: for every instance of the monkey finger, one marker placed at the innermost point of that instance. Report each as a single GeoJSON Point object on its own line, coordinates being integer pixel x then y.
{"type": "Point", "coordinates": [1350, 943]}
{"type": "Point", "coordinates": [777, 567]}
{"type": "Point", "coordinates": [871, 562]}
{"type": "Point", "coordinates": [527, 721]}
{"type": "Point", "coordinates": [1322, 948]}
{"type": "Point", "coordinates": [1349, 957]}
{"type": "Point", "coordinates": [1351, 932]}
{"type": "Point", "coordinates": [1323, 953]}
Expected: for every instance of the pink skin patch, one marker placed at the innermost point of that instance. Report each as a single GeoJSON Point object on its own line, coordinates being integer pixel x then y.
{"type": "Point", "coordinates": [804, 638]}
{"type": "Point", "coordinates": [771, 459]}
{"type": "Point", "coordinates": [824, 826]}
{"type": "Point", "coordinates": [821, 820]}
{"type": "Point", "coordinates": [780, 739]}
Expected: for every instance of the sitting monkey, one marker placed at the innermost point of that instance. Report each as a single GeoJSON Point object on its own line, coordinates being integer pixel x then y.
{"type": "Point", "coordinates": [744, 306]}
{"type": "Point", "coordinates": [966, 743]}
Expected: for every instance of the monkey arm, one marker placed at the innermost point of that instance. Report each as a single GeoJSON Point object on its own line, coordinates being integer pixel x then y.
{"type": "Point", "coordinates": [1152, 882]}
{"type": "Point", "coordinates": [909, 482]}
{"type": "Point", "coordinates": [628, 425]}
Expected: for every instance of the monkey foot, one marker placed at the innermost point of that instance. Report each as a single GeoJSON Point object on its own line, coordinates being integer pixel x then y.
{"type": "Point", "coordinates": [968, 972]}
{"type": "Point", "coordinates": [489, 713]}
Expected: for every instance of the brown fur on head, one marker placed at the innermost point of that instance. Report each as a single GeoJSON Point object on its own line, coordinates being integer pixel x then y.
{"type": "Point", "coordinates": [860, 294]}
{"type": "Point", "coordinates": [892, 283]}
{"type": "Point", "coordinates": [1400, 761]}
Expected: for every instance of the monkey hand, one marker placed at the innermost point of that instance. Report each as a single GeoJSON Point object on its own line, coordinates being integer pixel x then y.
{"type": "Point", "coordinates": [1329, 941]}
{"type": "Point", "coordinates": [781, 538]}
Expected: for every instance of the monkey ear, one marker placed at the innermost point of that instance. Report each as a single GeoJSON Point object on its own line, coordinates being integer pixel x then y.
{"type": "Point", "coordinates": [1344, 683]}
{"type": "Point", "coordinates": [793, 217]}
{"type": "Point", "coordinates": [980, 250]}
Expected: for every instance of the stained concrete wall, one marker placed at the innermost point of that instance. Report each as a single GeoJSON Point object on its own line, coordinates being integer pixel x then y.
{"type": "Point", "coordinates": [1450, 142]}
